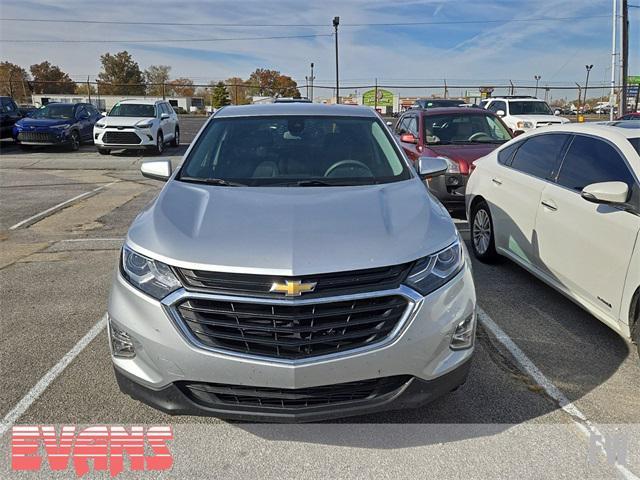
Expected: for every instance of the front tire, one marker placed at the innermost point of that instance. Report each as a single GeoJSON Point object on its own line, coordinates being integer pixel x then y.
{"type": "Point", "coordinates": [635, 328]}
{"type": "Point", "coordinates": [74, 141]}
{"type": "Point", "coordinates": [159, 148]}
{"type": "Point", "coordinates": [482, 234]}
{"type": "Point", "coordinates": [104, 151]}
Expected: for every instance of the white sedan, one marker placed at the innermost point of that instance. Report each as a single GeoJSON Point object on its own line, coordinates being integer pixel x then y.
{"type": "Point", "coordinates": [564, 203]}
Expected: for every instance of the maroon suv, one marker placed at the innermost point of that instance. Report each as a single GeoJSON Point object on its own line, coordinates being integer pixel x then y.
{"type": "Point", "coordinates": [459, 135]}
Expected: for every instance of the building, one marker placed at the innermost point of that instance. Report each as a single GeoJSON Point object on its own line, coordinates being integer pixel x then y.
{"type": "Point", "coordinates": [106, 102]}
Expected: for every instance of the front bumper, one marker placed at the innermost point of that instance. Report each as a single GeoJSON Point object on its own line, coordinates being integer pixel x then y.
{"type": "Point", "coordinates": [419, 349]}
{"type": "Point", "coordinates": [140, 139]}
{"type": "Point", "coordinates": [449, 189]}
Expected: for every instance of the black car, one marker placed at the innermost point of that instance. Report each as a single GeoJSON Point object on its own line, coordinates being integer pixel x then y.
{"type": "Point", "coordinates": [9, 115]}
{"type": "Point", "coordinates": [437, 103]}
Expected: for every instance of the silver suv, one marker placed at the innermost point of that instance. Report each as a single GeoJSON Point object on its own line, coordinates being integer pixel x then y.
{"type": "Point", "coordinates": [293, 268]}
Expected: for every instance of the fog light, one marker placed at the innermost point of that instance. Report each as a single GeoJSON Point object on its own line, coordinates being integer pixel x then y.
{"type": "Point", "coordinates": [121, 342]}
{"type": "Point", "coordinates": [96, 136]}
{"type": "Point", "coordinates": [453, 181]}
{"type": "Point", "coordinates": [464, 333]}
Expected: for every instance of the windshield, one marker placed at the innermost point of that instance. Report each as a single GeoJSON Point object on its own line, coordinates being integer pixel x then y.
{"type": "Point", "coordinates": [132, 110]}
{"type": "Point", "coordinates": [464, 128]}
{"type": "Point", "coordinates": [55, 111]}
{"type": "Point", "coordinates": [529, 108]}
{"type": "Point", "coordinates": [295, 151]}
{"type": "Point", "coordinates": [635, 142]}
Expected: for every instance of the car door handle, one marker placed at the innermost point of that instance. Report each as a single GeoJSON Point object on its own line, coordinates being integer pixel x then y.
{"type": "Point", "coordinates": [550, 204]}
{"type": "Point", "coordinates": [497, 181]}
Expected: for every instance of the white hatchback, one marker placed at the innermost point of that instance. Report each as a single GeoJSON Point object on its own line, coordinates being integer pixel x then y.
{"type": "Point", "coordinates": [137, 124]}
{"type": "Point", "coordinates": [564, 203]}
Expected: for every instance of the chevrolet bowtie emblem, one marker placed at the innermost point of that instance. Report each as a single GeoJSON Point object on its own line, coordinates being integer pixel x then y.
{"type": "Point", "coordinates": [293, 288]}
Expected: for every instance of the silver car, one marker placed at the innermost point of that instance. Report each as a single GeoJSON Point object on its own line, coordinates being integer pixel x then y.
{"type": "Point", "coordinates": [293, 268]}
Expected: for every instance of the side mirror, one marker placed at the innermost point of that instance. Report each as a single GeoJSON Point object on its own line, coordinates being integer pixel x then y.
{"type": "Point", "coordinates": [557, 112]}
{"type": "Point", "coordinates": [164, 116]}
{"type": "Point", "coordinates": [500, 113]}
{"type": "Point", "coordinates": [408, 138]}
{"type": "Point", "coordinates": [429, 167]}
{"type": "Point", "coordinates": [518, 133]}
{"type": "Point", "coordinates": [389, 124]}
{"type": "Point", "coordinates": [157, 170]}
{"type": "Point", "coordinates": [606, 192]}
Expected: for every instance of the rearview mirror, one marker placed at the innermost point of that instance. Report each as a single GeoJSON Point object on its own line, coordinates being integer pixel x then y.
{"type": "Point", "coordinates": [606, 192]}
{"type": "Point", "coordinates": [500, 113]}
{"type": "Point", "coordinates": [408, 138]}
{"type": "Point", "coordinates": [157, 170]}
{"type": "Point", "coordinates": [429, 167]}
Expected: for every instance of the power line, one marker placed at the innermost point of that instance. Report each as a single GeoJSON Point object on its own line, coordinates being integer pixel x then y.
{"type": "Point", "coordinates": [302, 25]}
{"type": "Point", "coordinates": [178, 40]}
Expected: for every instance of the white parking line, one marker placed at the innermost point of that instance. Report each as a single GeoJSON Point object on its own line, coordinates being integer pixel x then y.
{"type": "Point", "coordinates": [525, 363]}
{"type": "Point", "coordinates": [16, 412]}
{"type": "Point", "coordinates": [60, 206]}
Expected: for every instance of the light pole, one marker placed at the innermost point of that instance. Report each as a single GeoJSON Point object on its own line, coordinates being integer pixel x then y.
{"type": "Point", "coordinates": [311, 79]}
{"type": "Point", "coordinates": [336, 22]}
{"type": "Point", "coordinates": [586, 85]}
{"type": "Point", "coordinates": [537, 78]}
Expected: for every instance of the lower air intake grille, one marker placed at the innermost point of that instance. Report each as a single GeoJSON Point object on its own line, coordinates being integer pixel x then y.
{"type": "Point", "coordinates": [212, 394]}
{"type": "Point", "coordinates": [121, 138]}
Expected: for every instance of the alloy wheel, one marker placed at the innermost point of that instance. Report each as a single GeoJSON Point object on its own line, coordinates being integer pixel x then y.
{"type": "Point", "coordinates": [481, 231]}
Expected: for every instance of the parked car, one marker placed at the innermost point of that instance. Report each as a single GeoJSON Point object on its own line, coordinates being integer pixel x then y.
{"type": "Point", "coordinates": [564, 203]}
{"type": "Point", "coordinates": [630, 116]}
{"type": "Point", "coordinates": [437, 103]}
{"type": "Point", "coordinates": [459, 136]}
{"type": "Point", "coordinates": [26, 109]}
{"type": "Point", "coordinates": [9, 115]}
{"type": "Point", "coordinates": [293, 268]}
{"type": "Point", "coordinates": [137, 124]}
{"type": "Point", "coordinates": [57, 124]}
{"type": "Point", "coordinates": [522, 113]}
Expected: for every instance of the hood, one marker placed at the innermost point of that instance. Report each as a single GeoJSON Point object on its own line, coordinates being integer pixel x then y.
{"type": "Point", "coordinates": [540, 119]}
{"type": "Point", "coordinates": [122, 121]}
{"type": "Point", "coordinates": [291, 231]}
{"type": "Point", "coordinates": [42, 122]}
{"type": "Point", "coordinates": [464, 155]}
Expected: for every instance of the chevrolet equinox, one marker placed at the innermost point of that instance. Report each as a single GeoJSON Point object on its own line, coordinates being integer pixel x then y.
{"type": "Point", "coordinates": [293, 268]}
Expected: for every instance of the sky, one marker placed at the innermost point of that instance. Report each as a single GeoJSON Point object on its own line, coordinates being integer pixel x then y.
{"type": "Point", "coordinates": [491, 51]}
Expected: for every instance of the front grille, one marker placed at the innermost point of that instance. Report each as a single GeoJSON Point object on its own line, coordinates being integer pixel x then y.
{"type": "Point", "coordinates": [213, 394]}
{"type": "Point", "coordinates": [42, 137]}
{"type": "Point", "coordinates": [121, 138]}
{"type": "Point", "coordinates": [337, 283]}
{"type": "Point", "coordinates": [291, 331]}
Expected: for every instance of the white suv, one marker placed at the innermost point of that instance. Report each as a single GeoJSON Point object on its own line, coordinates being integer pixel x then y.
{"type": "Point", "coordinates": [522, 114]}
{"type": "Point", "coordinates": [137, 124]}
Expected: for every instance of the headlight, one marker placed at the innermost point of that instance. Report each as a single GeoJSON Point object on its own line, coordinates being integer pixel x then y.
{"type": "Point", "coordinates": [524, 124]}
{"type": "Point", "coordinates": [65, 125]}
{"type": "Point", "coordinates": [432, 272]}
{"type": "Point", "coordinates": [152, 277]}
{"type": "Point", "coordinates": [144, 124]}
{"type": "Point", "coordinates": [100, 125]}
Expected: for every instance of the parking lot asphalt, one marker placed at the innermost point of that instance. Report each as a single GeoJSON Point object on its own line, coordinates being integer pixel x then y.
{"type": "Point", "coordinates": [55, 273]}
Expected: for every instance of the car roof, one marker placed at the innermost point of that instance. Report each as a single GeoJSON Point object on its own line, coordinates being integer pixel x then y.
{"type": "Point", "coordinates": [593, 128]}
{"type": "Point", "coordinates": [310, 109]}
{"type": "Point", "coordinates": [449, 110]}
{"type": "Point", "coordinates": [141, 101]}
{"type": "Point", "coordinates": [517, 99]}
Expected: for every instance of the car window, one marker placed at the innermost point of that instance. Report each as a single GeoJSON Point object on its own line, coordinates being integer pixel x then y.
{"type": "Point", "coordinates": [132, 110]}
{"type": "Point", "coordinates": [529, 108]}
{"type": "Point", "coordinates": [497, 105]}
{"type": "Point", "coordinates": [286, 150]}
{"type": "Point", "coordinates": [506, 154]}
{"type": "Point", "coordinates": [461, 128]}
{"type": "Point", "coordinates": [403, 124]}
{"type": "Point", "coordinates": [483, 104]}
{"type": "Point", "coordinates": [58, 111]}
{"type": "Point", "coordinates": [635, 143]}
{"type": "Point", "coordinates": [412, 125]}
{"type": "Point", "coordinates": [80, 111]}
{"type": "Point", "coordinates": [8, 105]}
{"type": "Point", "coordinates": [591, 160]}
{"type": "Point", "coordinates": [538, 156]}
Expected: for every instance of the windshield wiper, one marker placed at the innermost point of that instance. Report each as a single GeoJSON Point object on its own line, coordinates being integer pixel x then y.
{"type": "Point", "coordinates": [213, 181]}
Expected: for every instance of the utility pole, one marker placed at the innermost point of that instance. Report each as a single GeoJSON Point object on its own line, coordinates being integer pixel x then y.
{"type": "Point", "coordinates": [612, 93]}
{"type": "Point", "coordinates": [312, 78]}
{"type": "Point", "coordinates": [88, 89]}
{"type": "Point", "coordinates": [336, 22]}
{"type": "Point", "coordinates": [625, 56]}
{"type": "Point", "coordinates": [375, 101]}
{"type": "Point", "coordinates": [537, 78]}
